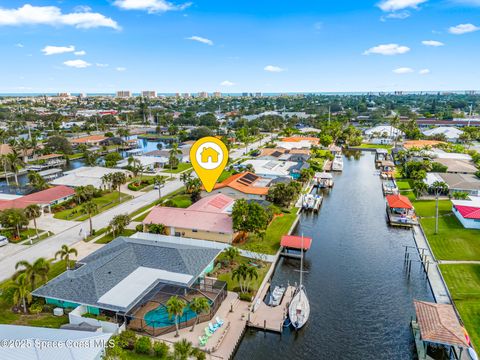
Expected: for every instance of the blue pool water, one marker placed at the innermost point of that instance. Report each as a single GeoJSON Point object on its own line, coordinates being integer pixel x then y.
{"type": "Point", "coordinates": [159, 317]}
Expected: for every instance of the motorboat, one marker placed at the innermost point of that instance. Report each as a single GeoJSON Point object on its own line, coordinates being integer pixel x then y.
{"type": "Point", "coordinates": [276, 296]}
{"type": "Point", "coordinates": [337, 164]}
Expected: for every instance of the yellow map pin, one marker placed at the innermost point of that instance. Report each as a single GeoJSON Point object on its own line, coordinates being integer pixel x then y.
{"type": "Point", "coordinates": [209, 156]}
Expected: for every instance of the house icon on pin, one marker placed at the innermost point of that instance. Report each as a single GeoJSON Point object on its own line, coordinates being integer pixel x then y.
{"type": "Point", "coordinates": [209, 153]}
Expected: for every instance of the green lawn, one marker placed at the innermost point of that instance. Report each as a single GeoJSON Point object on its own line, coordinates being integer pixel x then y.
{"type": "Point", "coordinates": [374, 146]}
{"type": "Point", "coordinates": [404, 184]}
{"type": "Point", "coordinates": [224, 175]}
{"type": "Point", "coordinates": [109, 237]}
{"type": "Point", "coordinates": [75, 156]}
{"type": "Point", "coordinates": [181, 167]}
{"type": "Point", "coordinates": [232, 285]}
{"type": "Point", "coordinates": [426, 208]}
{"type": "Point", "coordinates": [463, 281]}
{"type": "Point", "coordinates": [104, 203]}
{"type": "Point", "coordinates": [453, 241]}
{"type": "Point", "coordinates": [278, 227]}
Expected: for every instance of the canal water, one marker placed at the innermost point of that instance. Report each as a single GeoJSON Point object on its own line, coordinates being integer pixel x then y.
{"type": "Point", "coordinates": [360, 298]}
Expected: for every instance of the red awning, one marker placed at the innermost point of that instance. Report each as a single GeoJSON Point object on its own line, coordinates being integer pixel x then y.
{"type": "Point", "coordinates": [399, 202]}
{"type": "Point", "coordinates": [295, 242]}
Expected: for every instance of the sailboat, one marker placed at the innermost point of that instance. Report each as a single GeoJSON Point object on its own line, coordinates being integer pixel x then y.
{"type": "Point", "coordinates": [299, 309]}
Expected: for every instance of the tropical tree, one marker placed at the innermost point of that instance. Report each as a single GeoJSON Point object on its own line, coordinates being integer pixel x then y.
{"type": "Point", "coordinates": [173, 160]}
{"type": "Point", "coordinates": [32, 212]}
{"type": "Point", "coordinates": [156, 229]}
{"type": "Point", "coordinates": [15, 162]}
{"type": "Point", "coordinates": [6, 166]}
{"type": "Point", "coordinates": [182, 350]}
{"type": "Point", "coordinates": [90, 158]}
{"type": "Point", "coordinates": [185, 177]}
{"type": "Point", "coordinates": [231, 253]}
{"type": "Point", "coordinates": [90, 208]}
{"type": "Point", "coordinates": [248, 217]}
{"type": "Point", "coordinates": [199, 305]}
{"type": "Point", "coordinates": [438, 187]}
{"type": "Point", "coordinates": [119, 223]}
{"type": "Point", "coordinates": [13, 218]}
{"type": "Point", "coordinates": [244, 274]}
{"type": "Point", "coordinates": [118, 179]}
{"type": "Point", "coordinates": [159, 181]}
{"type": "Point", "coordinates": [419, 187]}
{"type": "Point", "coordinates": [175, 307]}
{"type": "Point", "coordinates": [38, 270]}
{"type": "Point", "coordinates": [135, 166]}
{"type": "Point", "coordinates": [36, 181]}
{"type": "Point", "coordinates": [107, 181]}
{"type": "Point", "coordinates": [21, 291]}
{"type": "Point", "coordinates": [65, 253]}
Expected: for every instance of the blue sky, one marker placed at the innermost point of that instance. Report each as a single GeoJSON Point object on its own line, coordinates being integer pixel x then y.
{"type": "Point", "coordinates": [236, 46]}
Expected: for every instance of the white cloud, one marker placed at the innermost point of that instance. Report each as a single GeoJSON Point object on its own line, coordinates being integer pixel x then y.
{"type": "Point", "coordinates": [19, 45]}
{"type": "Point", "coordinates": [424, 71]}
{"type": "Point", "coordinates": [54, 50]}
{"type": "Point", "coordinates": [396, 15]}
{"type": "Point", "coordinates": [273, 68]}
{"type": "Point", "coordinates": [463, 29]}
{"type": "Point", "coordinates": [100, 65]}
{"type": "Point", "coordinates": [433, 43]}
{"type": "Point", "coordinates": [403, 70]}
{"type": "Point", "coordinates": [121, 68]}
{"type": "Point", "coordinates": [152, 6]}
{"type": "Point", "coordinates": [227, 83]}
{"type": "Point", "coordinates": [200, 39]}
{"type": "Point", "coordinates": [53, 16]}
{"type": "Point", "coordinates": [79, 64]}
{"type": "Point", "coordinates": [395, 5]}
{"type": "Point", "coordinates": [80, 53]}
{"type": "Point", "coordinates": [387, 49]}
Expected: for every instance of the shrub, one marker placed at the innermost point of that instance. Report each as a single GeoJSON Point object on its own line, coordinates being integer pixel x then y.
{"type": "Point", "coordinates": [160, 349]}
{"type": "Point", "coordinates": [139, 228]}
{"type": "Point", "coordinates": [127, 340]}
{"type": "Point", "coordinates": [35, 308]}
{"type": "Point", "coordinates": [143, 345]}
{"type": "Point", "coordinates": [245, 297]}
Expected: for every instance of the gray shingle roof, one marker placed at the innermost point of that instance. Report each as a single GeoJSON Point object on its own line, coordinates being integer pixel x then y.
{"type": "Point", "coordinates": [100, 271]}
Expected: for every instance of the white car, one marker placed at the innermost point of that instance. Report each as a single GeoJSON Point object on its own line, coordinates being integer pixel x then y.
{"type": "Point", "coordinates": [3, 240]}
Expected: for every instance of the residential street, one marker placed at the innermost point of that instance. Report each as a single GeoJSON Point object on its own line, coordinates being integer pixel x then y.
{"type": "Point", "coordinates": [12, 253]}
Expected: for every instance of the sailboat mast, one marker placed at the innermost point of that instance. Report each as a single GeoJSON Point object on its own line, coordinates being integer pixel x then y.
{"type": "Point", "coordinates": [301, 269]}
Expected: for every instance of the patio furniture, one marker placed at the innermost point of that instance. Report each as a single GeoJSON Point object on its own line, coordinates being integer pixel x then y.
{"type": "Point", "coordinates": [219, 321]}
{"type": "Point", "coordinates": [202, 340]}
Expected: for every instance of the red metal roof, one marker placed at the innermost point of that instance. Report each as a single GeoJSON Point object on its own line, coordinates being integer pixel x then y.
{"type": "Point", "coordinates": [42, 197]}
{"type": "Point", "coordinates": [399, 202]}
{"type": "Point", "coordinates": [295, 242]}
{"type": "Point", "coordinates": [469, 212]}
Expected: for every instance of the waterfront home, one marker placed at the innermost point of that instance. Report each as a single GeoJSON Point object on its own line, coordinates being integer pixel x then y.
{"type": "Point", "coordinates": [458, 166]}
{"type": "Point", "coordinates": [437, 327]}
{"type": "Point", "coordinates": [244, 185]}
{"type": "Point", "coordinates": [284, 154]}
{"type": "Point", "coordinates": [86, 175]}
{"type": "Point", "coordinates": [271, 168]}
{"type": "Point", "coordinates": [45, 199]}
{"type": "Point", "coordinates": [451, 134]}
{"type": "Point", "coordinates": [468, 183]}
{"type": "Point", "coordinates": [129, 280]}
{"type": "Point", "coordinates": [468, 212]}
{"type": "Point", "coordinates": [184, 156]}
{"type": "Point", "coordinates": [149, 163]}
{"type": "Point", "coordinates": [400, 210]}
{"type": "Point", "coordinates": [383, 134]}
{"type": "Point", "coordinates": [41, 341]}
{"type": "Point", "coordinates": [298, 142]}
{"type": "Point", "coordinates": [207, 219]}
{"type": "Point", "coordinates": [91, 140]}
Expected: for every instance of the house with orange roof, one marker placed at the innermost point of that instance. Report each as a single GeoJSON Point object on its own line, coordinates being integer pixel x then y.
{"type": "Point", "coordinates": [93, 140]}
{"type": "Point", "coordinates": [420, 144]}
{"type": "Point", "coordinates": [245, 185]}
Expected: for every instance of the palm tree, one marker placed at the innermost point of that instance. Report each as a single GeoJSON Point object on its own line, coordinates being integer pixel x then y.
{"type": "Point", "coordinates": [160, 182]}
{"type": "Point", "coordinates": [90, 158]}
{"type": "Point", "coordinates": [182, 349]}
{"type": "Point", "coordinates": [438, 187]}
{"type": "Point", "coordinates": [119, 223]}
{"type": "Point", "coordinates": [419, 187]}
{"type": "Point", "coordinates": [199, 305]}
{"type": "Point", "coordinates": [242, 273]}
{"type": "Point", "coordinates": [231, 253]}
{"type": "Point", "coordinates": [65, 252]}
{"type": "Point", "coordinates": [185, 177]}
{"type": "Point", "coordinates": [107, 181]}
{"type": "Point", "coordinates": [38, 270]}
{"type": "Point", "coordinates": [6, 165]}
{"type": "Point", "coordinates": [118, 179]}
{"type": "Point", "coordinates": [36, 181]}
{"type": "Point", "coordinates": [90, 208]}
{"type": "Point", "coordinates": [21, 292]}
{"type": "Point", "coordinates": [32, 212]}
{"type": "Point", "coordinates": [15, 162]}
{"type": "Point", "coordinates": [174, 151]}
{"type": "Point", "coordinates": [175, 307]}
{"type": "Point", "coordinates": [23, 145]}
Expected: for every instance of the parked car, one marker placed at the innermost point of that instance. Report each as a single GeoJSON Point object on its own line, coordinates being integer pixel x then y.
{"type": "Point", "coordinates": [3, 240]}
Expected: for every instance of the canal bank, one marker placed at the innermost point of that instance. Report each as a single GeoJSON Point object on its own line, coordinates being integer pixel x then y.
{"type": "Point", "coordinates": [360, 296]}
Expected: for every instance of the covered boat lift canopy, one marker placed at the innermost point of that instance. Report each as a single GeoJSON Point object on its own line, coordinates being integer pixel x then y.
{"type": "Point", "coordinates": [295, 242]}
{"type": "Point", "coordinates": [399, 202]}
{"type": "Point", "coordinates": [438, 328]}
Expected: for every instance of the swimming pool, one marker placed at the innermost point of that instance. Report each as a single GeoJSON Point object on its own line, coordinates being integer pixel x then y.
{"type": "Point", "coordinates": [159, 317]}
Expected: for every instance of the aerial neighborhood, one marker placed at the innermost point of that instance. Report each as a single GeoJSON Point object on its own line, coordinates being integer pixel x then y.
{"type": "Point", "coordinates": [108, 233]}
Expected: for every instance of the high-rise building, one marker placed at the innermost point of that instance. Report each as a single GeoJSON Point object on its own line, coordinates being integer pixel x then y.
{"type": "Point", "coordinates": [245, 94]}
{"type": "Point", "coordinates": [217, 94]}
{"type": "Point", "coordinates": [149, 94]}
{"type": "Point", "coordinates": [124, 94]}
{"type": "Point", "coordinates": [63, 95]}
{"type": "Point", "coordinates": [202, 95]}
{"type": "Point", "coordinates": [258, 94]}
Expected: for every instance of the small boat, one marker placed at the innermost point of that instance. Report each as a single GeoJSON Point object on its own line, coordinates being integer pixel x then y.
{"type": "Point", "coordinates": [299, 308]}
{"type": "Point", "coordinates": [276, 296]}
{"type": "Point", "coordinates": [337, 164]}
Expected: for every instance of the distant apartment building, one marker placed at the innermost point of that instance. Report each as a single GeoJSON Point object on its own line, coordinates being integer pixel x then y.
{"type": "Point", "coordinates": [258, 94]}
{"type": "Point", "coordinates": [123, 94]}
{"type": "Point", "coordinates": [245, 94]}
{"type": "Point", "coordinates": [217, 94]}
{"type": "Point", "coordinates": [186, 95]}
{"type": "Point", "coordinates": [63, 95]}
{"type": "Point", "coordinates": [202, 95]}
{"type": "Point", "coordinates": [149, 94]}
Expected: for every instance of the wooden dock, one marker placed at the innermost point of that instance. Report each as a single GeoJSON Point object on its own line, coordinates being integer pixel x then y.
{"type": "Point", "coordinates": [269, 318]}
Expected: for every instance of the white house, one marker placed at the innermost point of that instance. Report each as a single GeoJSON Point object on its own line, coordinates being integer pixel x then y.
{"type": "Point", "coordinates": [271, 168]}
{"type": "Point", "coordinates": [451, 134]}
{"type": "Point", "coordinates": [468, 212]}
{"type": "Point", "coordinates": [383, 134]}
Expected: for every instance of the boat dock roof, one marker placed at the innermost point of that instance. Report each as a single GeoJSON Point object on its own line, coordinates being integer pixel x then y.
{"type": "Point", "coordinates": [295, 242]}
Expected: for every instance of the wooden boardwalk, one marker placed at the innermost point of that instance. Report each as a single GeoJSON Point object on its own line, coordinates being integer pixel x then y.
{"type": "Point", "coordinates": [271, 318]}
